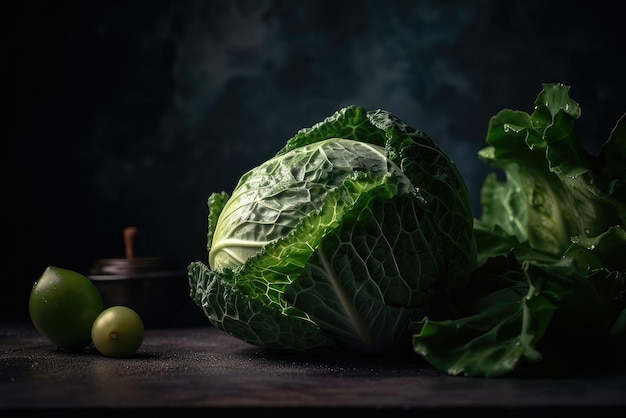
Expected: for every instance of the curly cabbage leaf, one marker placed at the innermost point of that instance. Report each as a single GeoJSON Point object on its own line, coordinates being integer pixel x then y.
{"type": "Point", "coordinates": [550, 241]}
{"type": "Point", "coordinates": [349, 232]}
{"type": "Point", "coordinates": [554, 189]}
{"type": "Point", "coordinates": [514, 307]}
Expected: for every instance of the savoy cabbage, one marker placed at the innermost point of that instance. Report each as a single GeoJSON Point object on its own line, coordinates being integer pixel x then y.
{"type": "Point", "coordinates": [352, 230]}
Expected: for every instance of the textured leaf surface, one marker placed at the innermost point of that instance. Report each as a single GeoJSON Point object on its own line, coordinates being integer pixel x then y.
{"type": "Point", "coordinates": [338, 241]}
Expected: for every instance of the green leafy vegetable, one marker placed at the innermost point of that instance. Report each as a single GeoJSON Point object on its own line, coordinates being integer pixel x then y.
{"type": "Point", "coordinates": [352, 230]}
{"type": "Point", "coordinates": [358, 234]}
{"type": "Point", "coordinates": [551, 247]}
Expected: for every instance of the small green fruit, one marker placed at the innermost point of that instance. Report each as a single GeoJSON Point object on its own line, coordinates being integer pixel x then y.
{"type": "Point", "coordinates": [63, 305]}
{"type": "Point", "coordinates": [117, 332]}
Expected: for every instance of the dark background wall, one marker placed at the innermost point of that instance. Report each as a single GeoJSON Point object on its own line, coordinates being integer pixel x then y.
{"type": "Point", "coordinates": [133, 113]}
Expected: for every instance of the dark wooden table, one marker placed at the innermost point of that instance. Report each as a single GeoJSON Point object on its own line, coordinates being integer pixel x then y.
{"type": "Point", "coordinates": [193, 370]}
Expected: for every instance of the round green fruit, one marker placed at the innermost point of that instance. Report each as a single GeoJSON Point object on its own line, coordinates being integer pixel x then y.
{"type": "Point", "coordinates": [117, 332]}
{"type": "Point", "coordinates": [63, 305]}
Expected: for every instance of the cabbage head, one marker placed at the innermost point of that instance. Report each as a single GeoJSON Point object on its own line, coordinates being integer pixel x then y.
{"type": "Point", "coordinates": [349, 232]}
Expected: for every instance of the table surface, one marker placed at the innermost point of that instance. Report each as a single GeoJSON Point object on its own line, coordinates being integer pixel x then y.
{"type": "Point", "coordinates": [200, 368]}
